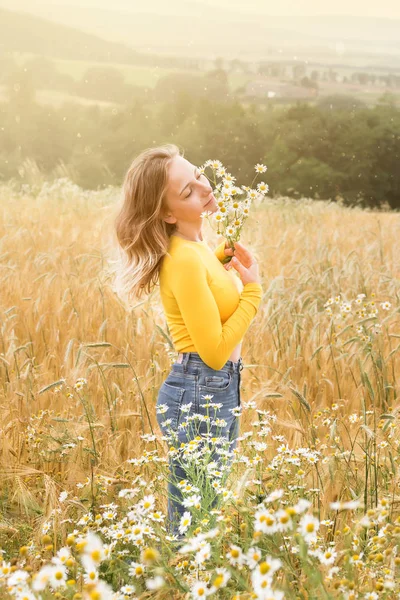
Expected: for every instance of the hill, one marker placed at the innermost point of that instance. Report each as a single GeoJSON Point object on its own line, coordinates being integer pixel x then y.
{"type": "Point", "coordinates": [23, 32]}
{"type": "Point", "coordinates": [189, 26]}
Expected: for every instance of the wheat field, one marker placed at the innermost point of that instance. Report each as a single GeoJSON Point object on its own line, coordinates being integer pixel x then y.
{"type": "Point", "coordinates": [311, 508]}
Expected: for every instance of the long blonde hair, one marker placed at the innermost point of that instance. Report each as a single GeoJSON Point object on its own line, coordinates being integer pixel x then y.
{"type": "Point", "coordinates": [142, 234]}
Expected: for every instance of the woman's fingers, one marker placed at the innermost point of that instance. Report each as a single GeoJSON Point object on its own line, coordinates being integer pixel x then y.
{"type": "Point", "coordinates": [243, 254]}
{"type": "Point", "coordinates": [240, 249]}
{"type": "Point", "coordinates": [245, 257]}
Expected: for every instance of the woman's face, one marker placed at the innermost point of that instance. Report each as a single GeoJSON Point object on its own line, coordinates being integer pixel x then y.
{"type": "Point", "coordinates": [189, 193]}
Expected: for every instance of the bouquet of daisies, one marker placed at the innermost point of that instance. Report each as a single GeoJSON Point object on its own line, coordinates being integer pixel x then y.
{"type": "Point", "coordinates": [233, 202]}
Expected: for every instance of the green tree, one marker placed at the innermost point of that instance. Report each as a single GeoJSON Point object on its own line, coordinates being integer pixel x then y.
{"type": "Point", "coordinates": [102, 83]}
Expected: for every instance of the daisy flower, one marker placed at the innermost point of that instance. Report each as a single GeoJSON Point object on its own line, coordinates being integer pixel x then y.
{"type": "Point", "coordinates": [308, 527]}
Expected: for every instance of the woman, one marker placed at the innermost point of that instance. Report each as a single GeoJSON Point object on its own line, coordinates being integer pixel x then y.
{"type": "Point", "coordinates": [207, 308]}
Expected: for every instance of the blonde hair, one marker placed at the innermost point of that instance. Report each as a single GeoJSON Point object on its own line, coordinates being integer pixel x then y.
{"type": "Point", "coordinates": [142, 234]}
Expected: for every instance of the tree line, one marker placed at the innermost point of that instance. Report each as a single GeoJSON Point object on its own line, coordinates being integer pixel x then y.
{"type": "Point", "coordinates": [337, 148]}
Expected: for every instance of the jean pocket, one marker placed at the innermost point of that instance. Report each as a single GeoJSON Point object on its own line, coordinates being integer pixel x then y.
{"type": "Point", "coordinates": [170, 396]}
{"type": "Point", "coordinates": [217, 383]}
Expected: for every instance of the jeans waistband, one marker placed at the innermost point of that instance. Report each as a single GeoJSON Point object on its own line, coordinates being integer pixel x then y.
{"type": "Point", "coordinates": [194, 357]}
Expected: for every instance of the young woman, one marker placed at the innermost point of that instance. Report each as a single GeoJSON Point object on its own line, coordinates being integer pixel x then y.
{"type": "Point", "coordinates": [207, 308]}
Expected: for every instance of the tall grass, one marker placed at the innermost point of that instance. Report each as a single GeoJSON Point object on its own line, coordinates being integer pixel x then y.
{"type": "Point", "coordinates": [80, 373]}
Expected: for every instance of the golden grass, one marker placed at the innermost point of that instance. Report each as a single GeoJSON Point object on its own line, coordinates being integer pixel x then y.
{"type": "Point", "coordinates": [60, 319]}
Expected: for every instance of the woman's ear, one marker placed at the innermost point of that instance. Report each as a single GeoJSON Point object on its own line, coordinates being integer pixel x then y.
{"type": "Point", "coordinates": [168, 218]}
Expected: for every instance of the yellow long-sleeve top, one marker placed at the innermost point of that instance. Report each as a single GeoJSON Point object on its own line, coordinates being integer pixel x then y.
{"type": "Point", "coordinates": [207, 308]}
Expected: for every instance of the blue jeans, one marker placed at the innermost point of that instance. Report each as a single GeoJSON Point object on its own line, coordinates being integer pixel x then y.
{"type": "Point", "coordinates": [187, 415]}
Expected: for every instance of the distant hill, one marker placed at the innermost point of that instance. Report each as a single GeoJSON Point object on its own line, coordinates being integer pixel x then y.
{"type": "Point", "coordinates": [23, 32]}
{"type": "Point", "coordinates": [188, 28]}
{"type": "Point", "coordinates": [150, 28]}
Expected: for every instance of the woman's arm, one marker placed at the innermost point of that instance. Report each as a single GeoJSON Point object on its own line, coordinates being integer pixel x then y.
{"type": "Point", "coordinates": [213, 340]}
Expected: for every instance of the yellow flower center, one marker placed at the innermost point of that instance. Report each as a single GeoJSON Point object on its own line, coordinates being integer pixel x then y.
{"type": "Point", "coordinates": [264, 568]}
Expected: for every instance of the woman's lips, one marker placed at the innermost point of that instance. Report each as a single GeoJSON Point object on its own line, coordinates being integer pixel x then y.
{"type": "Point", "coordinates": [212, 198]}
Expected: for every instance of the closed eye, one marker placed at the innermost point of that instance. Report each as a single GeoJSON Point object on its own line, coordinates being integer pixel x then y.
{"type": "Point", "coordinates": [191, 190]}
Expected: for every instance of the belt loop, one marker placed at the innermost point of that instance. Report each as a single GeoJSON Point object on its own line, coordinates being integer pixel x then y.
{"type": "Point", "coordinates": [185, 359]}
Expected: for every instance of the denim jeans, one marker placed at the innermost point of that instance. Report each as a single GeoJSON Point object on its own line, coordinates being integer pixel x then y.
{"type": "Point", "coordinates": [185, 394]}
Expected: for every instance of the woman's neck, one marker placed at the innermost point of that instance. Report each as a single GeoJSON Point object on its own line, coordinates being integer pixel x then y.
{"type": "Point", "coordinates": [187, 238]}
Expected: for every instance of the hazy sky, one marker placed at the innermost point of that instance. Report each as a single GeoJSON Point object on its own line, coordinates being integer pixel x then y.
{"type": "Point", "coordinates": [366, 8]}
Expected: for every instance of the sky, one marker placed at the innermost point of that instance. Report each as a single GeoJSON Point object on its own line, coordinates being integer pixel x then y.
{"type": "Point", "coordinates": [365, 8]}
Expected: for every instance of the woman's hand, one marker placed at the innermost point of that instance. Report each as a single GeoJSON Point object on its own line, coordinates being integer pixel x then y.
{"type": "Point", "coordinates": [244, 262]}
{"type": "Point", "coordinates": [228, 251]}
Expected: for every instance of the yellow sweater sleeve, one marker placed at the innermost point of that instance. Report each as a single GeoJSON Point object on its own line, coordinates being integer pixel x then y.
{"type": "Point", "coordinates": [219, 251]}
{"type": "Point", "coordinates": [213, 340]}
